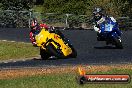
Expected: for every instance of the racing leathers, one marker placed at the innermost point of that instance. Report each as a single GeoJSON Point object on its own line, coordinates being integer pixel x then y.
{"type": "Point", "coordinates": [35, 31]}
{"type": "Point", "coordinates": [102, 21]}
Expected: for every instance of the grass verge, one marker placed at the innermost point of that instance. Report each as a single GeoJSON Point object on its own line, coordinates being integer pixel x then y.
{"type": "Point", "coordinates": [64, 77]}
{"type": "Point", "coordinates": [17, 50]}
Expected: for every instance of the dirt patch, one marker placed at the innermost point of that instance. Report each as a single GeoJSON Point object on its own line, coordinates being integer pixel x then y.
{"type": "Point", "coordinates": [16, 73]}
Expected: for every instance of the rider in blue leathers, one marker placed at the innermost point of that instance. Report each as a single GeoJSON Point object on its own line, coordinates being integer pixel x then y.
{"type": "Point", "coordinates": [100, 19]}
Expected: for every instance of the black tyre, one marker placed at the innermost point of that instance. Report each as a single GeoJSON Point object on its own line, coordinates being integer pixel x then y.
{"type": "Point", "coordinates": [54, 52]}
{"type": "Point", "coordinates": [118, 43]}
{"type": "Point", "coordinates": [44, 55]}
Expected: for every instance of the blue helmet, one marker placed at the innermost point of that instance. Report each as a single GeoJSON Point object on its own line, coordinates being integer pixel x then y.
{"type": "Point", "coordinates": [97, 12]}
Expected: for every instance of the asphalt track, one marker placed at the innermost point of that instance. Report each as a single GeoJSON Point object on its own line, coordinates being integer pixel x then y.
{"type": "Point", "coordinates": [89, 50]}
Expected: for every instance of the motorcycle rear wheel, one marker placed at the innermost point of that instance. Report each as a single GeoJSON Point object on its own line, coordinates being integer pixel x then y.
{"type": "Point", "coordinates": [118, 43]}
{"type": "Point", "coordinates": [52, 50]}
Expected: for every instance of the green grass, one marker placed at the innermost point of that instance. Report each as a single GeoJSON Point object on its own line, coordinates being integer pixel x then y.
{"type": "Point", "coordinates": [17, 50]}
{"type": "Point", "coordinates": [38, 8]}
{"type": "Point", "coordinates": [62, 80]}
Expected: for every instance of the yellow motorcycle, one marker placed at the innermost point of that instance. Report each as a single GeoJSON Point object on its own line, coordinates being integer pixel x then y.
{"type": "Point", "coordinates": [54, 43]}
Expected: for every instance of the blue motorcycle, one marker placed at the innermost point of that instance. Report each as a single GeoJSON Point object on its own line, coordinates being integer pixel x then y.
{"type": "Point", "coordinates": [110, 33]}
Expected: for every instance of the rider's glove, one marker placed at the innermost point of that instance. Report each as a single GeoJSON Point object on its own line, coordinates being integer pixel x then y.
{"type": "Point", "coordinates": [97, 29]}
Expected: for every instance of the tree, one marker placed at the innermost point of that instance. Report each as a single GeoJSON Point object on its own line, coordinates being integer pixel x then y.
{"type": "Point", "coordinates": [64, 6]}
{"type": "Point", "coordinates": [15, 13]}
{"type": "Point", "coordinates": [38, 2]}
{"type": "Point", "coordinates": [16, 5]}
{"type": "Point", "coordinates": [112, 7]}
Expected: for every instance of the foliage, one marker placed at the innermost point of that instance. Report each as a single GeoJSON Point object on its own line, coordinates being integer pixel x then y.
{"type": "Point", "coordinates": [14, 13]}
{"type": "Point", "coordinates": [112, 7]}
{"type": "Point", "coordinates": [16, 5]}
{"type": "Point", "coordinates": [85, 7]}
{"type": "Point", "coordinates": [64, 6]}
{"type": "Point", "coordinates": [78, 7]}
{"type": "Point", "coordinates": [116, 8]}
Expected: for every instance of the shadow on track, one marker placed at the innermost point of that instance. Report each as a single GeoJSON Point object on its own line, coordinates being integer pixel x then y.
{"type": "Point", "coordinates": [51, 58]}
{"type": "Point", "coordinates": [105, 47]}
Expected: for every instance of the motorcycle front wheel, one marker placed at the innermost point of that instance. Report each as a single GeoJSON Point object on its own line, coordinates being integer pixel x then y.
{"type": "Point", "coordinates": [118, 43]}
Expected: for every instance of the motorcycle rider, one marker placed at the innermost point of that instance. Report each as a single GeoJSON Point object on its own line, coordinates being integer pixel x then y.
{"type": "Point", "coordinates": [35, 29]}
{"type": "Point", "coordinates": [99, 17]}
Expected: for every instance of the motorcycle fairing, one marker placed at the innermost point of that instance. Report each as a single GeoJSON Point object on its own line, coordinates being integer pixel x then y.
{"type": "Point", "coordinates": [45, 37]}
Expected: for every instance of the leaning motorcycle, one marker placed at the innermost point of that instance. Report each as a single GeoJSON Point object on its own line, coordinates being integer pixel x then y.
{"type": "Point", "coordinates": [54, 43]}
{"type": "Point", "coordinates": [109, 34]}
